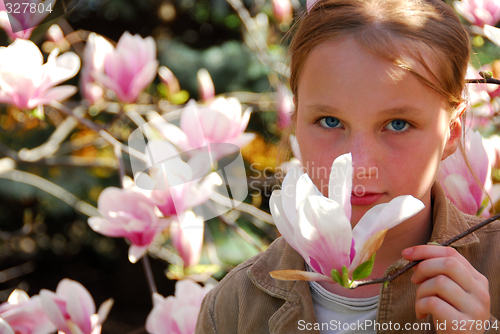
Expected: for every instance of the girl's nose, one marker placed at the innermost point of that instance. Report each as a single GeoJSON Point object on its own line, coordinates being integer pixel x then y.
{"type": "Point", "coordinates": [365, 155]}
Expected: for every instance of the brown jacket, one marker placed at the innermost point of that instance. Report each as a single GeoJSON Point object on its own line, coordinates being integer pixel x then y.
{"type": "Point", "coordinates": [249, 301]}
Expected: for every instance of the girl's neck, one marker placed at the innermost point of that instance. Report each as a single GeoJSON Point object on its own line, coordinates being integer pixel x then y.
{"type": "Point", "coordinates": [415, 231]}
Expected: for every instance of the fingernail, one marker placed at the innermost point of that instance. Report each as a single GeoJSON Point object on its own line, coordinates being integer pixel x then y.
{"type": "Point", "coordinates": [407, 251]}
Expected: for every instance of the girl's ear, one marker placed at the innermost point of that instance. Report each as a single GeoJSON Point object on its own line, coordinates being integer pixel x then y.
{"type": "Point", "coordinates": [454, 137]}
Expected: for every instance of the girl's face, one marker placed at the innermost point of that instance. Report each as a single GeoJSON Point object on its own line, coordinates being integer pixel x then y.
{"type": "Point", "coordinates": [396, 128]}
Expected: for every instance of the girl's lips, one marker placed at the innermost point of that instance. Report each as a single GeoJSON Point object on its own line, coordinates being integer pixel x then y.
{"type": "Point", "coordinates": [366, 199]}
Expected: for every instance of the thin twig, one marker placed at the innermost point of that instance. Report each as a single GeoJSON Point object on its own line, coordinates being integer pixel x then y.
{"type": "Point", "coordinates": [52, 189]}
{"type": "Point", "coordinates": [108, 137]}
{"type": "Point", "coordinates": [485, 81]}
{"type": "Point", "coordinates": [410, 265]}
{"type": "Point", "coordinates": [241, 232]}
{"type": "Point", "coordinates": [149, 275]}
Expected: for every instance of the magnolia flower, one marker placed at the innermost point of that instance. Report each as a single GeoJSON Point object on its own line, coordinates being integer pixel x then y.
{"type": "Point", "coordinates": [479, 99]}
{"type": "Point", "coordinates": [20, 22]}
{"type": "Point", "coordinates": [492, 146]}
{"type": "Point", "coordinates": [187, 237]}
{"type": "Point", "coordinates": [457, 181]}
{"type": "Point", "coordinates": [221, 121]}
{"type": "Point", "coordinates": [96, 50]}
{"type": "Point", "coordinates": [284, 106]}
{"type": "Point", "coordinates": [319, 227]}
{"type": "Point", "coordinates": [283, 10]}
{"type": "Point", "coordinates": [177, 315]}
{"type": "Point", "coordinates": [479, 12]}
{"type": "Point", "coordinates": [22, 315]}
{"type": "Point", "coordinates": [128, 214]}
{"type": "Point", "coordinates": [72, 309]}
{"type": "Point", "coordinates": [129, 68]}
{"type": "Point", "coordinates": [206, 87]}
{"type": "Point", "coordinates": [169, 79]}
{"type": "Point", "coordinates": [27, 83]}
{"type": "Point", "coordinates": [172, 184]}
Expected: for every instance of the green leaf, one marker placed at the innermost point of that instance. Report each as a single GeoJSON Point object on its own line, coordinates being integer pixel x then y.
{"type": "Point", "coordinates": [483, 206]}
{"type": "Point", "coordinates": [345, 277]}
{"type": "Point", "coordinates": [337, 277]}
{"type": "Point", "coordinates": [364, 269]}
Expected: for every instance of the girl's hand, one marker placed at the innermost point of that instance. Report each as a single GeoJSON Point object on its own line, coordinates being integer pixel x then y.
{"type": "Point", "coordinates": [450, 289]}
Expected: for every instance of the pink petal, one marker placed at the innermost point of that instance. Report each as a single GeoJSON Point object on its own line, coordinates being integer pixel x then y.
{"type": "Point", "coordinates": [191, 125]}
{"type": "Point", "coordinates": [340, 182]}
{"type": "Point", "coordinates": [80, 306]}
{"type": "Point", "coordinates": [456, 188]}
{"type": "Point", "coordinates": [142, 79]}
{"type": "Point", "coordinates": [324, 233]}
{"type": "Point", "coordinates": [381, 217]}
{"type": "Point", "coordinates": [135, 253]}
{"type": "Point", "coordinates": [59, 94]}
{"type": "Point", "coordinates": [5, 327]}
{"type": "Point", "coordinates": [52, 310]}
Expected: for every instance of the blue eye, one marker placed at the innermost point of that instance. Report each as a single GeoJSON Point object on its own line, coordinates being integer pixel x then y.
{"type": "Point", "coordinates": [329, 122]}
{"type": "Point", "coordinates": [398, 125]}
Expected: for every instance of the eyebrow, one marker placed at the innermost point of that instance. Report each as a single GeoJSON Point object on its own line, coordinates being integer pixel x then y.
{"type": "Point", "coordinates": [320, 109]}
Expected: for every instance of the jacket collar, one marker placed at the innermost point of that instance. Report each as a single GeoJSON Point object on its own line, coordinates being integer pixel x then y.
{"type": "Point", "coordinates": [448, 220]}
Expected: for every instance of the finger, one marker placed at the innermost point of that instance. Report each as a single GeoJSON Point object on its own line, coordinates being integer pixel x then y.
{"type": "Point", "coordinates": [439, 309]}
{"type": "Point", "coordinates": [449, 291]}
{"type": "Point", "coordinates": [447, 266]}
{"type": "Point", "coordinates": [424, 252]}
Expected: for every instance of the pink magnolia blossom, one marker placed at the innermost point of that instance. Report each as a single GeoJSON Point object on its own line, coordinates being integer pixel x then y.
{"type": "Point", "coordinates": [221, 121]}
{"type": "Point", "coordinates": [284, 106]}
{"type": "Point", "coordinates": [22, 21]}
{"type": "Point", "coordinates": [177, 315]}
{"type": "Point", "coordinates": [72, 309]}
{"type": "Point", "coordinates": [206, 87]}
{"type": "Point", "coordinates": [169, 79]}
{"type": "Point", "coordinates": [479, 99]}
{"type": "Point", "coordinates": [96, 50]}
{"type": "Point", "coordinates": [479, 12]}
{"type": "Point", "coordinates": [27, 83]}
{"type": "Point", "coordinates": [458, 182]}
{"type": "Point", "coordinates": [187, 237]}
{"type": "Point", "coordinates": [128, 214]}
{"type": "Point", "coordinates": [174, 185]}
{"type": "Point", "coordinates": [319, 227]}
{"type": "Point", "coordinates": [22, 315]}
{"type": "Point", "coordinates": [129, 68]}
{"type": "Point", "coordinates": [283, 10]}
{"type": "Point", "coordinates": [492, 146]}
{"type": "Point", "coordinates": [310, 4]}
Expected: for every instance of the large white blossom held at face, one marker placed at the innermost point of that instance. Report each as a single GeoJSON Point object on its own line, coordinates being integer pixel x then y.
{"type": "Point", "coordinates": [319, 227]}
{"type": "Point", "coordinates": [27, 83]}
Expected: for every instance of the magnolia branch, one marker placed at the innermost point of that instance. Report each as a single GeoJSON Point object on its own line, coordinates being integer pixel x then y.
{"type": "Point", "coordinates": [389, 278]}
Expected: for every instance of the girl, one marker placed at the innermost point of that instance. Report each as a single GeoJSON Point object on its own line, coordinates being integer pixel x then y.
{"type": "Point", "coordinates": [382, 79]}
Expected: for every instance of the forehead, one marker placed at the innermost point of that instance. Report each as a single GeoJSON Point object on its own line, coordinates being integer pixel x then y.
{"type": "Point", "coordinates": [342, 72]}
